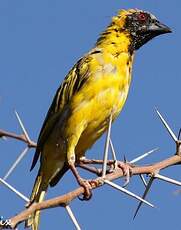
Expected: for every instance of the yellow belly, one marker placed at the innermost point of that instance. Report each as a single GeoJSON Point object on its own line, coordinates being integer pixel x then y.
{"type": "Point", "coordinates": [91, 110]}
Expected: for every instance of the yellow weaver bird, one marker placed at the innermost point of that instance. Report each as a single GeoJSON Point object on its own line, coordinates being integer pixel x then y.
{"type": "Point", "coordinates": [95, 89]}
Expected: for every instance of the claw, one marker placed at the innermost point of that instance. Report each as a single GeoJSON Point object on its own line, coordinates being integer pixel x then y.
{"type": "Point", "coordinates": [87, 185]}
{"type": "Point", "coordinates": [127, 179]}
{"type": "Point", "coordinates": [85, 198]}
{"type": "Point", "coordinates": [126, 172]}
{"type": "Point", "coordinates": [87, 189]}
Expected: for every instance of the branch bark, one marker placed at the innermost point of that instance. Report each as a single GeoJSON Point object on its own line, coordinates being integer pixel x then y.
{"type": "Point", "coordinates": [67, 198]}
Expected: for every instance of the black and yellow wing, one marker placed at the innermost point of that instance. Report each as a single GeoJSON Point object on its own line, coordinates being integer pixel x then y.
{"type": "Point", "coordinates": [73, 82]}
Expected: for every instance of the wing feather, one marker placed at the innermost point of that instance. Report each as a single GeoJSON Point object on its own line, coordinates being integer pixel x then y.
{"type": "Point", "coordinates": [73, 82]}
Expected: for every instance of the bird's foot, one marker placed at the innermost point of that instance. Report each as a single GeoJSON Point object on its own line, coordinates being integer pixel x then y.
{"type": "Point", "coordinates": [126, 168]}
{"type": "Point", "coordinates": [87, 189]}
{"type": "Point", "coordinates": [127, 171]}
{"type": "Point", "coordinates": [87, 185]}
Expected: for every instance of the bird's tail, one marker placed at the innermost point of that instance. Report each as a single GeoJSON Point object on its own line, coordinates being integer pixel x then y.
{"type": "Point", "coordinates": [38, 194]}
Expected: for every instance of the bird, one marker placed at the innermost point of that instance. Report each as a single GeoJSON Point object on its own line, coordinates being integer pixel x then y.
{"type": "Point", "coordinates": [94, 90]}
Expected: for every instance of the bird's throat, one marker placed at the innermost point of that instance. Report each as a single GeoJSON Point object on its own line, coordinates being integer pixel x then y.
{"type": "Point", "coordinates": [114, 41]}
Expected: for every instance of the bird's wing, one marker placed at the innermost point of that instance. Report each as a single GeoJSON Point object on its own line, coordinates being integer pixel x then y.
{"type": "Point", "coordinates": [73, 82]}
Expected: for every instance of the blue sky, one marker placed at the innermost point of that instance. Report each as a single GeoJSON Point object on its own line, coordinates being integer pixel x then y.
{"type": "Point", "coordinates": [39, 43]}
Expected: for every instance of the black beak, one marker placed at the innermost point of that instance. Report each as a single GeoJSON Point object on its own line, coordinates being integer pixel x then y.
{"type": "Point", "coordinates": [157, 28]}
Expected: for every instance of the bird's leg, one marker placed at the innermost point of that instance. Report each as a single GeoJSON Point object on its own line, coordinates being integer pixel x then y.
{"type": "Point", "coordinates": [84, 160]}
{"type": "Point", "coordinates": [87, 187]}
{"type": "Point", "coordinates": [91, 169]}
{"type": "Point", "coordinates": [126, 168]}
{"type": "Point", "coordinates": [86, 184]}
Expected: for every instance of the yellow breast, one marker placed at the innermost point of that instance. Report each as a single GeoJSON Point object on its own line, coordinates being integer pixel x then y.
{"type": "Point", "coordinates": [104, 94]}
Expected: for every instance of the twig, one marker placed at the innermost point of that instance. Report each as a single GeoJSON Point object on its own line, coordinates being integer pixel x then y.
{"type": "Point", "coordinates": [21, 137]}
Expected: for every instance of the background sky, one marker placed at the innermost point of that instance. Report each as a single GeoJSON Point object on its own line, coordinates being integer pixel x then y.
{"type": "Point", "coordinates": [39, 43]}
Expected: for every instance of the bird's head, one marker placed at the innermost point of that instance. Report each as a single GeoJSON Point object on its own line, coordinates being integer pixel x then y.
{"type": "Point", "coordinates": [140, 25]}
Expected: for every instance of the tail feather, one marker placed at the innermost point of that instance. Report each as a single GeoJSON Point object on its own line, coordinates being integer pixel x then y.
{"type": "Point", "coordinates": [38, 194]}
{"type": "Point", "coordinates": [58, 175]}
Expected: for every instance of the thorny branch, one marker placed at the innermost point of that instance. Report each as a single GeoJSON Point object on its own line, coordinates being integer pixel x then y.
{"type": "Point", "coordinates": [67, 198]}
{"type": "Point", "coordinates": [151, 170]}
{"type": "Point", "coordinates": [21, 137]}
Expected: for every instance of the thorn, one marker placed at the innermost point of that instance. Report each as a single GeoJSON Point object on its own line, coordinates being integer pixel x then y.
{"type": "Point", "coordinates": [179, 134]}
{"type": "Point", "coordinates": [112, 150]}
{"type": "Point", "coordinates": [125, 160]}
{"type": "Point", "coordinates": [72, 217]}
{"type": "Point", "coordinates": [167, 179]}
{"type": "Point", "coordinates": [143, 180]}
{"type": "Point", "coordinates": [144, 195]}
{"type": "Point", "coordinates": [127, 180]}
{"type": "Point", "coordinates": [167, 126]}
{"type": "Point", "coordinates": [106, 148]}
{"type": "Point", "coordinates": [14, 190]}
{"type": "Point", "coordinates": [20, 157]}
{"type": "Point", "coordinates": [22, 126]}
{"type": "Point", "coordinates": [127, 192]}
{"type": "Point", "coordinates": [115, 165]}
{"type": "Point", "coordinates": [143, 156]}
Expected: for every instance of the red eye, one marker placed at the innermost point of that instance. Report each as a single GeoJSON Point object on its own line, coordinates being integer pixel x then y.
{"type": "Point", "coordinates": [142, 17]}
